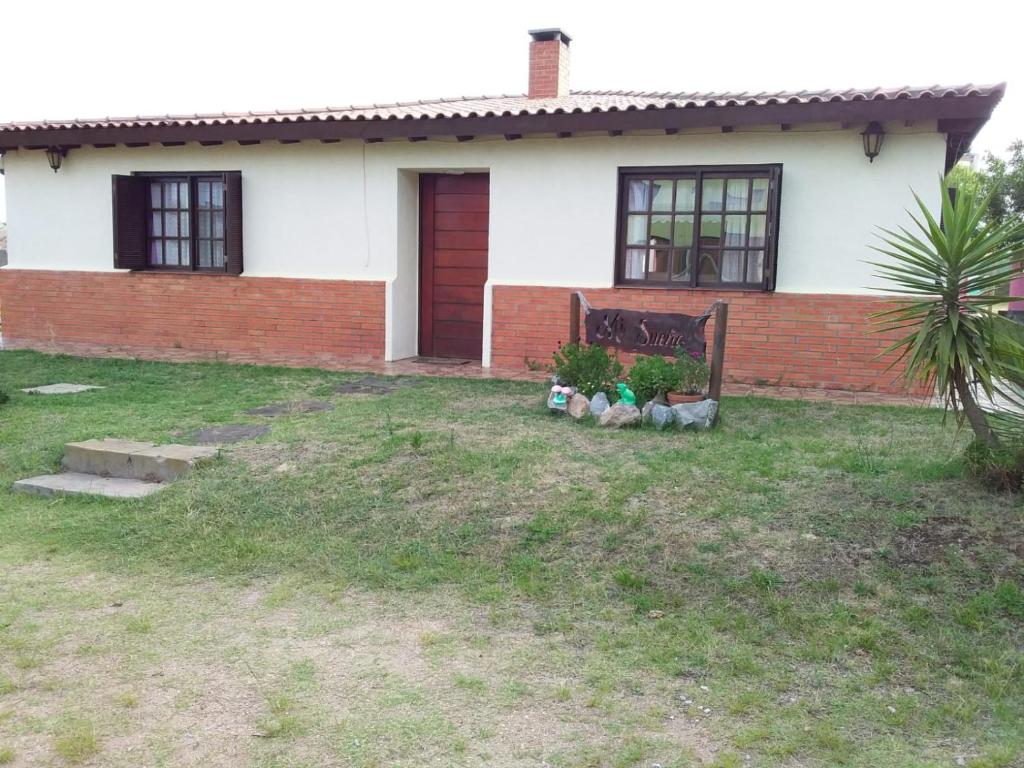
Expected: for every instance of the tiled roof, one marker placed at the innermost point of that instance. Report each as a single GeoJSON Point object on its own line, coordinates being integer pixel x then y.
{"type": "Point", "coordinates": [578, 102]}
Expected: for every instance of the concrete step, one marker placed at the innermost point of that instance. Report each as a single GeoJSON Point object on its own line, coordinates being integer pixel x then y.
{"type": "Point", "coordinates": [79, 483]}
{"type": "Point", "coordinates": [134, 460]}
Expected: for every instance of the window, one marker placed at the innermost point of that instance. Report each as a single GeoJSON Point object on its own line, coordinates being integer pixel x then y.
{"type": "Point", "coordinates": [699, 227]}
{"type": "Point", "coordinates": [178, 221]}
{"type": "Point", "coordinates": [171, 217]}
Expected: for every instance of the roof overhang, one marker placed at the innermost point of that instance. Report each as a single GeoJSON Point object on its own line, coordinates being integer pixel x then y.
{"type": "Point", "coordinates": [959, 115]}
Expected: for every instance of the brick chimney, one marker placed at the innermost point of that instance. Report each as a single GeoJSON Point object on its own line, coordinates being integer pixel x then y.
{"type": "Point", "coordinates": [549, 64]}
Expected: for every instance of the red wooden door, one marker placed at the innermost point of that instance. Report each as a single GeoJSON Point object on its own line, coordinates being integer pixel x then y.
{"type": "Point", "coordinates": [453, 263]}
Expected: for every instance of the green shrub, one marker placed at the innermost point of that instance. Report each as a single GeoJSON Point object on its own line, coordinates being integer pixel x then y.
{"type": "Point", "coordinates": [693, 371]}
{"type": "Point", "coordinates": [589, 368]}
{"type": "Point", "coordinates": [4, 397]}
{"type": "Point", "coordinates": [1000, 468]}
{"type": "Point", "coordinates": [651, 376]}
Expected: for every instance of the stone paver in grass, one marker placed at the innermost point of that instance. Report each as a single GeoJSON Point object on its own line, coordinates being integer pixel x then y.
{"type": "Point", "coordinates": [82, 483]}
{"type": "Point", "coordinates": [297, 406]}
{"type": "Point", "coordinates": [60, 389]}
{"type": "Point", "coordinates": [372, 385]}
{"type": "Point", "coordinates": [229, 433]}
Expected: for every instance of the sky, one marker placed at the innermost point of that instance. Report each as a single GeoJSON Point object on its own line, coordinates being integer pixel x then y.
{"type": "Point", "coordinates": [100, 58]}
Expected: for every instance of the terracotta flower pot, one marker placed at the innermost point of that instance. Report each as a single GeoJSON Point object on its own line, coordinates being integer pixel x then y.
{"type": "Point", "coordinates": [675, 398]}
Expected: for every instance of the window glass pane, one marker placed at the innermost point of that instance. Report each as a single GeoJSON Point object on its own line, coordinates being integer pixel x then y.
{"type": "Point", "coordinates": [681, 265]}
{"type": "Point", "coordinates": [735, 230]}
{"type": "Point", "coordinates": [732, 266]}
{"type": "Point", "coordinates": [661, 232]}
{"type": "Point", "coordinates": [757, 231]}
{"type": "Point", "coordinates": [156, 225]}
{"type": "Point", "coordinates": [186, 252]}
{"type": "Point", "coordinates": [759, 195]}
{"type": "Point", "coordinates": [154, 194]}
{"type": "Point", "coordinates": [683, 230]}
{"type": "Point", "coordinates": [657, 264]}
{"type": "Point", "coordinates": [204, 224]}
{"type": "Point", "coordinates": [639, 194]}
{"type": "Point", "coordinates": [171, 224]}
{"type": "Point", "coordinates": [171, 252]}
{"type": "Point", "coordinates": [686, 192]}
{"type": "Point", "coordinates": [218, 253]}
{"type": "Point", "coordinates": [170, 194]}
{"type": "Point", "coordinates": [218, 224]}
{"type": "Point", "coordinates": [155, 252]}
{"type": "Point", "coordinates": [708, 271]}
{"type": "Point", "coordinates": [183, 194]}
{"type": "Point", "coordinates": [662, 195]}
{"type": "Point", "coordinates": [634, 269]}
{"type": "Point", "coordinates": [736, 194]}
{"type": "Point", "coordinates": [217, 194]}
{"type": "Point", "coordinates": [203, 193]}
{"type": "Point", "coordinates": [204, 253]}
{"type": "Point", "coordinates": [710, 230]}
{"type": "Point", "coordinates": [184, 225]}
{"type": "Point", "coordinates": [711, 194]}
{"type": "Point", "coordinates": [636, 230]}
{"type": "Point", "coordinates": [755, 266]}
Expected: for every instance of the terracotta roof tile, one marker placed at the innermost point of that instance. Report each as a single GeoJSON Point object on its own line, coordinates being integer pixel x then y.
{"type": "Point", "coordinates": [519, 105]}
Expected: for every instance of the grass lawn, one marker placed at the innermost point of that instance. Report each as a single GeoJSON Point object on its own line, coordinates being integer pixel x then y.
{"type": "Point", "coordinates": [446, 575]}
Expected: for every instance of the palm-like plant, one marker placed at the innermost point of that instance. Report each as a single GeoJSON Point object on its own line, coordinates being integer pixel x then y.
{"type": "Point", "coordinates": [946, 276]}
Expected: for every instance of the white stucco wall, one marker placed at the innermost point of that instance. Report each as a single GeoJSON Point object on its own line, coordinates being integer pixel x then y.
{"type": "Point", "coordinates": [348, 210]}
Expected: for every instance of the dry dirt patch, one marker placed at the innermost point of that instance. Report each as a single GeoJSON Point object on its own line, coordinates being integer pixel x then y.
{"type": "Point", "coordinates": [206, 672]}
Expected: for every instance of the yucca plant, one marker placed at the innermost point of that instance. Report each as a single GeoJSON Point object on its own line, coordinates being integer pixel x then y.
{"type": "Point", "coordinates": [946, 275]}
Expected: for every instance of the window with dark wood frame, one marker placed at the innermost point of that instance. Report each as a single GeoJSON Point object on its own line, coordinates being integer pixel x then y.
{"type": "Point", "coordinates": [699, 227]}
{"type": "Point", "coordinates": [179, 221]}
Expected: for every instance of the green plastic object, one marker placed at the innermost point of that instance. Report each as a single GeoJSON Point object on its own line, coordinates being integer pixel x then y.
{"type": "Point", "coordinates": [625, 394]}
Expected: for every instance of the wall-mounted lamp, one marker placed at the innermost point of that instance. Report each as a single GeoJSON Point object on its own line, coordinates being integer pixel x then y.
{"type": "Point", "coordinates": [873, 137]}
{"type": "Point", "coordinates": [55, 156]}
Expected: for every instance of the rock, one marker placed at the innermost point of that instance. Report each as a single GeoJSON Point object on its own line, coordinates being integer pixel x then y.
{"type": "Point", "coordinates": [579, 406]}
{"type": "Point", "coordinates": [661, 416]}
{"type": "Point", "coordinates": [619, 415]}
{"type": "Point", "coordinates": [599, 404]}
{"type": "Point", "coordinates": [698, 416]}
{"type": "Point", "coordinates": [645, 412]}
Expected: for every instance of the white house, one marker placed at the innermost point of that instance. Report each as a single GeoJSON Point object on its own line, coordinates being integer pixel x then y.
{"type": "Point", "coordinates": [459, 228]}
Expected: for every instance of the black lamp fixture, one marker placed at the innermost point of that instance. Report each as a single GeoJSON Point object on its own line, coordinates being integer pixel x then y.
{"type": "Point", "coordinates": [873, 137]}
{"type": "Point", "coordinates": [55, 156]}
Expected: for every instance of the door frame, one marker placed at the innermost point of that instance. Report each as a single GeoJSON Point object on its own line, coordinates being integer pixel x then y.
{"type": "Point", "coordinates": [425, 345]}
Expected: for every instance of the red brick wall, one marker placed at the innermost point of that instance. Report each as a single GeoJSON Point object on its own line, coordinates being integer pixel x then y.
{"type": "Point", "coordinates": [245, 316]}
{"type": "Point", "coordinates": [549, 65]}
{"type": "Point", "coordinates": [773, 338]}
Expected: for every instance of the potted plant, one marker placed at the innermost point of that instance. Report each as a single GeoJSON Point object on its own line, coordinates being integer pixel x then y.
{"type": "Point", "coordinates": [693, 372]}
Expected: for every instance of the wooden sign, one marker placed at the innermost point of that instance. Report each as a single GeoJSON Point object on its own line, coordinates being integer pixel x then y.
{"type": "Point", "coordinates": [652, 333]}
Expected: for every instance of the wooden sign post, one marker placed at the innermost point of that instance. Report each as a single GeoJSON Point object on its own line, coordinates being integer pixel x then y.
{"type": "Point", "coordinates": [653, 332]}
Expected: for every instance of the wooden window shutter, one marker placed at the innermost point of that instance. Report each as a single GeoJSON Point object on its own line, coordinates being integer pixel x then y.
{"type": "Point", "coordinates": [775, 216]}
{"type": "Point", "coordinates": [233, 222]}
{"type": "Point", "coordinates": [129, 204]}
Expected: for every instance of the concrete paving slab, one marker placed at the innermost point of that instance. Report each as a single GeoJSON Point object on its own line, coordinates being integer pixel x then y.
{"type": "Point", "coordinates": [229, 433]}
{"type": "Point", "coordinates": [373, 385]}
{"type": "Point", "coordinates": [60, 389]}
{"type": "Point", "coordinates": [298, 406]}
{"type": "Point", "coordinates": [133, 459]}
{"type": "Point", "coordinates": [79, 483]}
